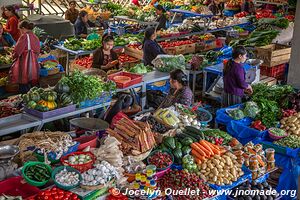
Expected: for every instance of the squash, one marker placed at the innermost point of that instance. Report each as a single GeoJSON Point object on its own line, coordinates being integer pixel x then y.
{"type": "Point", "coordinates": [64, 100]}
{"type": "Point", "coordinates": [61, 88]}
{"type": "Point", "coordinates": [34, 96]}
{"type": "Point", "coordinates": [49, 96]}
{"type": "Point", "coordinates": [51, 105]}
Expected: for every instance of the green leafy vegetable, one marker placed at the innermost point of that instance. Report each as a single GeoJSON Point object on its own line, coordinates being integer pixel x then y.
{"type": "Point", "coordinates": [84, 87]}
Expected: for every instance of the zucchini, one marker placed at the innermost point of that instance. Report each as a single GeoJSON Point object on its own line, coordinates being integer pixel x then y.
{"type": "Point", "coordinates": [187, 134]}
{"type": "Point", "coordinates": [195, 131]}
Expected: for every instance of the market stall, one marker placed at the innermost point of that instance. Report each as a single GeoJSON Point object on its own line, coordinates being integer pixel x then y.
{"type": "Point", "coordinates": [110, 142]}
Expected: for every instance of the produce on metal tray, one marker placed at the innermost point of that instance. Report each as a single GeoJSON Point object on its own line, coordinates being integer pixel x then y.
{"type": "Point", "coordinates": [180, 180]}
{"type": "Point", "coordinates": [100, 175]}
{"type": "Point", "coordinates": [292, 141]}
{"type": "Point", "coordinates": [135, 137]}
{"type": "Point", "coordinates": [291, 124]}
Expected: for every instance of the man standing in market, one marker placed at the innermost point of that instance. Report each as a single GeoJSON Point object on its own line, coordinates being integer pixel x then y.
{"type": "Point", "coordinates": [72, 13]}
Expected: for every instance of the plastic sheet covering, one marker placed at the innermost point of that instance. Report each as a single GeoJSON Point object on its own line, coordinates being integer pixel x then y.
{"type": "Point", "coordinates": [290, 162]}
{"type": "Point", "coordinates": [222, 117]}
{"type": "Point", "coordinates": [242, 131]}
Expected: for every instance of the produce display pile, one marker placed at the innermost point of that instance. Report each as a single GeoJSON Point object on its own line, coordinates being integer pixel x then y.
{"type": "Point", "coordinates": [173, 147]}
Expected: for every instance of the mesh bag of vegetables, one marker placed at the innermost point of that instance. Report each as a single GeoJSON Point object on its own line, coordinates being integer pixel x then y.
{"type": "Point", "coordinates": [251, 109]}
{"type": "Point", "coordinates": [236, 114]}
{"type": "Point", "coordinates": [167, 63]}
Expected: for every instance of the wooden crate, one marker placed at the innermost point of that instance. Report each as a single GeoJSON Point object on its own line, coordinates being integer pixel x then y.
{"type": "Point", "coordinates": [268, 80]}
{"type": "Point", "coordinates": [180, 49]}
{"type": "Point", "coordinates": [170, 51]}
{"type": "Point", "coordinates": [134, 52]}
{"type": "Point", "coordinates": [274, 54]}
{"type": "Point", "coordinates": [190, 48]}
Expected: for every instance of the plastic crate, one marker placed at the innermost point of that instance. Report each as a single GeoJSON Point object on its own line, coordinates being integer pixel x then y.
{"type": "Point", "coordinates": [51, 113]}
{"type": "Point", "coordinates": [104, 98]}
{"type": "Point", "coordinates": [15, 187]}
{"type": "Point", "coordinates": [135, 79]}
{"type": "Point", "coordinates": [275, 72]}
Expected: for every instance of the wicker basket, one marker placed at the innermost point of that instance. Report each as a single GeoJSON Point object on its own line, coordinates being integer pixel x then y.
{"type": "Point", "coordinates": [53, 71]}
{"type": "Point", "coordinates": [98, 187]}
{"type": "Point", "coordinates": [142, 156]}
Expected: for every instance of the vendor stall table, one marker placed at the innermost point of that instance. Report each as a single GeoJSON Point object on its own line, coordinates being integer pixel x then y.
{"type": "Point", "coordinates": [7, 66]}
{"type": "Point", "coordinates": [149, 78]}
{"type": "Point", "coordinates": [202, 32]}
{"type": "Point", "coordinates": [76, 53]}
{"type": "Point", "coordinates": [123, 19]}
{"type": "Point", "coordinates": [70, 114]}
{"type": "Point", "coordinates": [18, 122]}
{"type": "Point", "coordinates": [194, 77]}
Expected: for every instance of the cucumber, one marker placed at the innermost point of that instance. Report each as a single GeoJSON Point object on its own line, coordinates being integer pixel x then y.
{"type": "Point", "coordinates": [195, 131]}
{"type": "Point", "coordinates": [187, 134]}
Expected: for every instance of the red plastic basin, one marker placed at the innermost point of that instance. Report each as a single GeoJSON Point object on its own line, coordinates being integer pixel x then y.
{"type": "Point", "coordinates": [15, 187]}
{"type": "Point", "coordinates": [86, 141]}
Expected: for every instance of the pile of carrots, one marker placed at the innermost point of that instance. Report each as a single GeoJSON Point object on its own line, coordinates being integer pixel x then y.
{"type": "Point", "coordinates": [203, 149]}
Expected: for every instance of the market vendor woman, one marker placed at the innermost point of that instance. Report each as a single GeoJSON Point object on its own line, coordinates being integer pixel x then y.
{"type": "Point", "coordinates": [81, 25]}
{"type": "Point", "coordinates": [25, 69]}
{"type": "Point", "coordinates": [151, 48]}
{"type": "Point", "coordinates": [6, 40]}
{"type": "Point", "coordinates": [234, 79]}
{"type": "Point", "coordinates": [104, 57]}
{"type": "Point", "coordinates": [162, 18]}
{"type": "Point", "coordinates": [179, 92]}
{"type": "Point", "coordinates": [115, 112]}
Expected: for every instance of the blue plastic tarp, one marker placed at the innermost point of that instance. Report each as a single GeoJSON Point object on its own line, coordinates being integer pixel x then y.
{"type": "Point", "coordinates": [290, 162]}
{"type": "Point", "coordinates": [242, 131]}
{"type": "Point", "coordinates": [223, 118]}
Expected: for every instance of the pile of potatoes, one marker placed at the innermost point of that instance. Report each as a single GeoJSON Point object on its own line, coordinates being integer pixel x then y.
{"type": "Point", "coordinates": [221, 169]}
{"type": "Point", "coordinates": [291, 124]}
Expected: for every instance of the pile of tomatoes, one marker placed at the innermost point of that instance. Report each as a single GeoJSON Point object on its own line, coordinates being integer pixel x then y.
{"type": "Point", "coordinates": [124, 58]}
{"type": "Point", "coordinates": [85, 61]}
{"type": "Point", "coordinates": [175, 43]}
{"type": "Point", "coordinates": [135, 46]}
{"type": "Point", "coordinates": [55, 193]}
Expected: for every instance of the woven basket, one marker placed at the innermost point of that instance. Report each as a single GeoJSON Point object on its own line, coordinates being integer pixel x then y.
{"type": "Point", "coordinates": [142, 156]}
{"type": "Point", "coordinates": [53, 71]}
{"type": "Point", "coordinates": [98, 187]}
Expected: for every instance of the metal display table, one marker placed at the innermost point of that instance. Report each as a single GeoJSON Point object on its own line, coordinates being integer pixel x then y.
{"type": "Point", "coordinates": [124, 19]}
{"type": "Point", "coordinates": [70, 114]}
{"type": "Point", "coordinates": [17, 122]}
{"type": "Point", "coordinates": [76, 53]}
{"type": "Point", "coordinates": [152, 77]}
{"type": "Point", "coordinates": [194, 77]}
